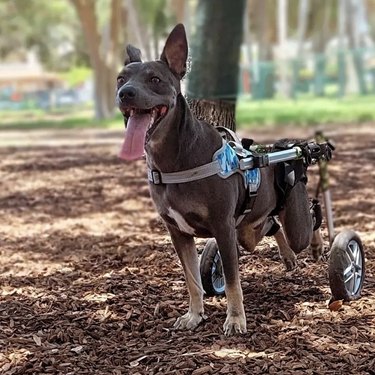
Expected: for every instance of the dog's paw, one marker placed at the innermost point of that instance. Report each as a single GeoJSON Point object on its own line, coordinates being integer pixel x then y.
{"type": "Point", "coordinates": [234, 324]}
{"type": "Point", "coordinates": [290, 261]}
{"type": "Point", "coordinates": [316, 251]}
{"type": "Point", "coordinates": [188, 321]}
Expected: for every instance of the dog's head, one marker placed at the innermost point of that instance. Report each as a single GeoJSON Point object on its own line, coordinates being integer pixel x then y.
{"type": "Point", "coordinates": [147, 91]}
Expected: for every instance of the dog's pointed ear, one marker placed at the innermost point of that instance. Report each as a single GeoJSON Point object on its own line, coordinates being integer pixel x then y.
{"type": "Point", "coordinates": [134, 54]}
{"type": "Point", "coordinates": [175, 51]}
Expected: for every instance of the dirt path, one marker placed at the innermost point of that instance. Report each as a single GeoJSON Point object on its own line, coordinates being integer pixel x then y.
{"type": "Point", "coordinates": [90, 284]}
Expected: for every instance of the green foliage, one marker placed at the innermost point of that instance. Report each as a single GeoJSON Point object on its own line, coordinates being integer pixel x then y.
{"type": "Point", "coordinates": [152, 11]}
{"type": "Point", "coordinates": [50, 28]}
{"type": "Point", "coordinates": [305, 112]}
{"type": "Point", "coordinates": [76, 75]}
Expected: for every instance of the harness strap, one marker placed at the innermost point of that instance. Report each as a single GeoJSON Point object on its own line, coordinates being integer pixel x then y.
{"type": "Point", "coordinates": [247, 206]}
{"type": "Point", "coordinates": [228, 132]}
{"type": "Point", "coordinates": [180, 177]}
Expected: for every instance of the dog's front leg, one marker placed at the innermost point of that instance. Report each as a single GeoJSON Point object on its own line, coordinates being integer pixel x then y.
{"type": "Point", "coordinates": [186, 251]}
{"type": "Point", "coordinates": [236, 319]}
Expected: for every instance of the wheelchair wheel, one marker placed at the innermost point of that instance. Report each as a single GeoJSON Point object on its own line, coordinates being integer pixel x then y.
{"type": "Point", "coordinates": [346, 266]}
{"type": "Point", "coordinates": [211, 269]}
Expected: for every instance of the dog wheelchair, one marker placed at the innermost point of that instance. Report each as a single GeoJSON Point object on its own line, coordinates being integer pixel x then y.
{"type": "Point", "coordinates": [346, 257]}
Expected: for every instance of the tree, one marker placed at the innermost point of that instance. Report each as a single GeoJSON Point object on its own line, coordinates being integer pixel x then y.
{"type": "Point", "coordinates": [148, 21]}
{"type": "Point", "coordinates": [104, 52]}
{"type": "Point", "coordinates": [282, 18]}
{"type": "Point", "coordinates": [322, 16]}
{"type": "Point", "coordinates": [213, 81]}
{"type": "Point", "coordinates": [105, 44]}
{"type": "Point", "coordinates": [48, 28]}
{"type": "Point", "coordinates": [303, 12]}
{"type": "Point", "coordinates": [264, 20]}
{"type": "Point", "coordinates": [139, 30]}
{"type": "Point", "coordinates": [358, 36]}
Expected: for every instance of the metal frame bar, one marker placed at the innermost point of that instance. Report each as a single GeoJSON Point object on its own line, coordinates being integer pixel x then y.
{"type": "Point", "coordinates": [295, 153]}
{"type": "Point", "coordinates": [273, 158]}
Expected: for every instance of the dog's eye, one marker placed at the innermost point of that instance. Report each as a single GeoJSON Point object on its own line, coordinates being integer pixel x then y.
{"type": "Point", "coordinates": [120, 81]}
{"type": "Point", "coordinates": [155, 80]}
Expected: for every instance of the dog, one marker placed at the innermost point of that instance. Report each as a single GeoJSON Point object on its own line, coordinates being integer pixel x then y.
{"type": "Point", "coordinates": [160, 125]}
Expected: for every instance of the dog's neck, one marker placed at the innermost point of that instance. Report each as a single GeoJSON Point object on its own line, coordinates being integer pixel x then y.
{"type": "Point", "coordinates": [180, 141]}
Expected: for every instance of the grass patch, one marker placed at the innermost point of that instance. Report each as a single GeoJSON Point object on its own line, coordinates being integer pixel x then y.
{"type": "Point", "coordinates": [23, 120]}
{"type": "Point", "coordinates": [305, 112]}
{"type": "Point", "coordinates": [301, 112]}
{"type": "Point", "coordinates": [76, 76]}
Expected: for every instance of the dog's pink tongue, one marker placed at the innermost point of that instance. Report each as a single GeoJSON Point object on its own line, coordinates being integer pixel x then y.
{"type": "Point", "coordinates": [133, 146]}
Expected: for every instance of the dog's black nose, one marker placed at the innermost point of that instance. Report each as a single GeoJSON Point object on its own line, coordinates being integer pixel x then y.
{"type": "Point", "coordinates": [126, 93]}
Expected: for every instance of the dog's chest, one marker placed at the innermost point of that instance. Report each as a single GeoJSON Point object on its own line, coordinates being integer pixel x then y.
{"type": "Point", "coordinates": [179, 220]}
{"type": "Point", "coordinates": [187, 213]}
{"type": "Point", "coordinates": [191, 222]}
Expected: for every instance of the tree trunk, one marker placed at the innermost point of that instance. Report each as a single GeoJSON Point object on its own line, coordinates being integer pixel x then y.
{"type": "Point", "coordinates": [303, 12]}
{"type": "Point", "coordinates": [178, 8]}
{"type": "Point", "coordinates": [103, 59]}
{"type": "Point", "coordinates": [215, 112]}
{"type": "Point", "coordinates": [213, 81]}
{"type": "Point", "coordinates": [139, 30]}
{"type": "Point", "coordinates": [324, 9]}
{"type": "Point", "coordinates": [282, 18]}
{"type": "Point", "coordinates": [264, 29]}
{"type": "Point", "coordinates": [341, 57]}
{"type": "Point", "coordinates": [264, 70]}
{"type": "Point", "coordinates": [112, 53]}
{"type": "Point", "coordinates": [356, 40]}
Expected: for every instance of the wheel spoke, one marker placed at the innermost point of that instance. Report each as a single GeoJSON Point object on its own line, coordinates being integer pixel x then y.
{"type": "Point", "coordinates": [358, 279]}
{"type": "Point", "coordinates": [217, 274]}
{"type": "Point", "coordinates": [218, 283]}
{"type": "Point", "coordinates": [218, 269]}
{"type": "Point", "coordinates": [350, 277]}
{"type": "Point", "coordinates": [355, 252]}
{"type": "Point", "coordinates": [352, 284]}
{"type": "Point", "coordinates": [359, 258]}
{"type": "Point", "coordinates": [350, 254]}
{"type": "Point", "coordinates": [348, 270]}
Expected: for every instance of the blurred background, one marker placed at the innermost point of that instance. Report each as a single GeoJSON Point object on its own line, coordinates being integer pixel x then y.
{"type": "Point", "coordinates": [299, 61]}
{"type": "Point", "coordinates": [89, 280]}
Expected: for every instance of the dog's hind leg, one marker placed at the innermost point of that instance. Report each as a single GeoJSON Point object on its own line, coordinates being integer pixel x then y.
{"type": "Point", "coordinates": [296, 218]}
{"type": "Point", "coordinates": [249, 237]}
{"type": "Point", "coordinates": [317, 245]}
{"type": "Point", "coordinates": [226, 241]}
{"type": "Point", "coordinates": [186, 251]}
{"type": "Point", "coordinates": [285, 252]}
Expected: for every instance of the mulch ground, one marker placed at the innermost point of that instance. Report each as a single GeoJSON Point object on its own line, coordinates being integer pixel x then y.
{"type": "Point", "coordinates": [90, 284]}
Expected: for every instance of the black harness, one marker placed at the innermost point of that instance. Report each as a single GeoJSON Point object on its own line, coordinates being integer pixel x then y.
{"type": "Point", "coordinates": [288, 173]}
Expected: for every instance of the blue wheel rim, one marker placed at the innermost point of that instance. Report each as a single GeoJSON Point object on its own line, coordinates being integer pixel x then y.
{"type": "Point", "coordinates": [217, 275]}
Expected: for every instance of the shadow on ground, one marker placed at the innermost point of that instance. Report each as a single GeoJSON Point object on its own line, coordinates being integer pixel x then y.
{"type": "Point", "coordinates": [90, 283]}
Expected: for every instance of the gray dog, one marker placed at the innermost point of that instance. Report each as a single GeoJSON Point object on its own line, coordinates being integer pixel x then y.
{"type": "Point", "coordinates": [192, 194]}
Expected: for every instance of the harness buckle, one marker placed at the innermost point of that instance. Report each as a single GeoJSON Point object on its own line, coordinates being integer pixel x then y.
{"type": "Point", "coordinates": [155, 177]}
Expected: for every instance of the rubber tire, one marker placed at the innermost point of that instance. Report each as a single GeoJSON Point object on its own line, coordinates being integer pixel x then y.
{"type": "Point", "coordinates": [206, 263]}
{"type": "Point", "coordinates": [337, 264]}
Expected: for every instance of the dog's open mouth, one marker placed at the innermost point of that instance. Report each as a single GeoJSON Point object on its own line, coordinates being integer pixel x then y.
{"type": "Point", "coordinates": [156, 113]}
{"type": "Point", "coordinates": [141, 123]}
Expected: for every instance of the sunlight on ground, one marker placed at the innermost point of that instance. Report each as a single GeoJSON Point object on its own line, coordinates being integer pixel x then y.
{"type": "Point", "coordinates": [87, 268]}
